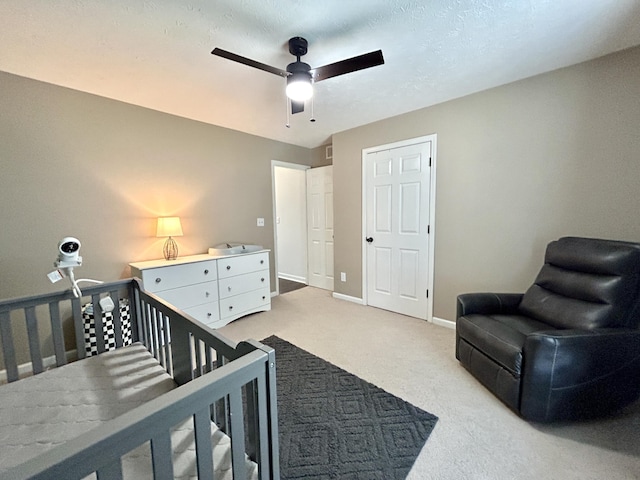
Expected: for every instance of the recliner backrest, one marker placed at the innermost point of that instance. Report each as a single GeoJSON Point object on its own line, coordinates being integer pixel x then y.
{"type": "Point", "coordinates": [586, 283]}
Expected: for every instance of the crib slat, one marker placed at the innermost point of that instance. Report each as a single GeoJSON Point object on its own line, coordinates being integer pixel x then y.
{"type": "Point", "coordinates": [8, 347]}
{"type": "Point", "coordinates": [117, 318]}
{"type": "Point", "coordinates": [252, 419]}
{"type": "Point", "coordinates": [204, 451]}
{"type": "Point", "coordinates": [162, 330]}
{"type": "Point", "coordinates": [56, 334]}
{"type": "Point", "coordinates": [221, 417]}
{"type": "Point", "coordinates": [208, 359]}
{"type": "Point", "coordinates": [161, 457]}
{"type": "Point", "coordinates": [167, 346]}
{"type": "Point", "coordinates": [257, 430]}
{"type": "Point", "coordinates": [198, 351]}
{"type": "Point", "coordinates": [78, 322]}
{"type": "Point", "coordinates": [262, 452]}
{"type": "Point", "coordinates": [159, 336]}
{"type": "Point", "coordinates": [136, 310]}
{"type": "Point", "coordinates": [144, 322]}
{"type": "Point", "coordinates": [34, 339]}
{"type": "Point", "coordinates": [237, 436]}
{"type": "Point", "coordinates": [98, 323]}
{"type": "Point", "coordinates": [154, 333]}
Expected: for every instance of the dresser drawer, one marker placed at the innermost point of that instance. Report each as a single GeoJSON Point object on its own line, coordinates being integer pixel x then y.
{"type": "Point", "coordinates": [233, 306]}
{"type": "Point", "coordinates": [231, 266]}
{"type": "Point", "coordinates": [164, 278]}
{"type": "Point", "coordinates": [207, 313]}
{"type": "Point", "coordinates": [191, 295]}
{"type": "Point", "coordinates": [244, 283]}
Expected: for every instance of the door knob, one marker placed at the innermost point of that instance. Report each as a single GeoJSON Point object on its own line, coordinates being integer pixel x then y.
{"type": "Point", "coordinates": [369, 239]}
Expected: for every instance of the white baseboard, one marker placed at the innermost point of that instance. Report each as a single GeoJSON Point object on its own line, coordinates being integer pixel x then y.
{"type": "Point", "coordinates": [436, 321]}
{"type": "Point", "coordinates": [293, 278]}
{"type": "Point", "coordinates": [444, 323]}
{"type": "Point", "coordinates": [340, 296]}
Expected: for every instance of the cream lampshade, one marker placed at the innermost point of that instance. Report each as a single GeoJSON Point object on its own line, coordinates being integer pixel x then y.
{"type": "Point", "coordinates": [169, 227]}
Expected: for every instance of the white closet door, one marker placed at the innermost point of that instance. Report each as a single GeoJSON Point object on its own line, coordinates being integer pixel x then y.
{"type": "Point", "coordinates": [397, 228]}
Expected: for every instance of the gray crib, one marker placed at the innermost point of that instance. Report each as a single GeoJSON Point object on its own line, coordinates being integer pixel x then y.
{"type": "Point", "coordinates": [169, 399]}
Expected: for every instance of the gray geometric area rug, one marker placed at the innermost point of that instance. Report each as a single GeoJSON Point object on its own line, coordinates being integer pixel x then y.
{"type": "Point", "coordinates": [334, 425]}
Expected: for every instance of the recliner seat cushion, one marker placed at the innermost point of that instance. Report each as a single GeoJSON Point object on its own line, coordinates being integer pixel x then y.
{"type": "Point", "coordinates": [585, 284]}
{"type": "Point", "coordinates": [500, 337]}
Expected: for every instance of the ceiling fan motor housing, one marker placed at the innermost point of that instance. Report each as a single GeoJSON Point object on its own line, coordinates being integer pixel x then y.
{"type": "Point", "coordinates": [299, 67]}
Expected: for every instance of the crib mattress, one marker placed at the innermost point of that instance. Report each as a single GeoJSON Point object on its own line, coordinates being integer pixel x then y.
{"type": "Point", "coordinates": [40, 412]}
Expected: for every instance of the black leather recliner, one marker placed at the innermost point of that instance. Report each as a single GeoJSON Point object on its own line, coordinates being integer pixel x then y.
{"type": "Point", "coordinates": [568, 348]}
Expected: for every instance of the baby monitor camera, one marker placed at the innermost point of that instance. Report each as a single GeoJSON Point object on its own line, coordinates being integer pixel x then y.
{"type": "Point", "coordinates": [68, 259]}
{"type": "Point", "coordinates": [68, 256]}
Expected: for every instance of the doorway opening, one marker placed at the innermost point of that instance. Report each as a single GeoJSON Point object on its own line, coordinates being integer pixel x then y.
{"type": "Point", "coordinates": [290, 225]}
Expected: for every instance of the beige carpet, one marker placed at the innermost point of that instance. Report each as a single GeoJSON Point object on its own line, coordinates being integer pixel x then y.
{"type": "Point", "coordinates": [476, 437]}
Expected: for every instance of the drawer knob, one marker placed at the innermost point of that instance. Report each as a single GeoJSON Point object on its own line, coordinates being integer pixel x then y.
{"type": "Point", "coordinates": [229, 287]}
{"type": "Point", "coordinates": [263, 297]}
{"type": "Point", "coordinates": [206, 272]}
{"type": "Point", "coordinates": [228, 267]}
{"type": "Point", "coordinates": [206, 294]}
{"type": "Point", "coordinates": [158, 280]}
{"type": "Point", "coordinates": [230, 307]}
{"type": "Point", "coordinates": [208, 314]}
{"type": "Point", "coordinates": [261, 262]}
{"type": "Point", "coordinates": [262, 279]}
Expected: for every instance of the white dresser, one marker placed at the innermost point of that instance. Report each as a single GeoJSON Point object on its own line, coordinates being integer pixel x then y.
{"type": "Point", "coordinates": [213, 290]}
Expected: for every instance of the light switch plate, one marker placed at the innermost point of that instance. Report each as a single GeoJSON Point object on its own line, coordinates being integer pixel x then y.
{"type": "Point", "coordinates": [261, 222]}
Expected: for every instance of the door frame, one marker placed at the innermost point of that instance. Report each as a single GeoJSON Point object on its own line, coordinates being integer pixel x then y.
{"type": "Point", "coordinates": [432, 213]}
{"type": "Point", "coordinates": [296, 166]}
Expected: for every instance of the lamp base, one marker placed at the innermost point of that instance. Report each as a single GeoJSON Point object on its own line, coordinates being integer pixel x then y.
{"type": "Point", "coordinates": [170, 249]}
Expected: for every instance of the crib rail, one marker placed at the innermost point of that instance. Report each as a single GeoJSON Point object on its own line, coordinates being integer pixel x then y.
{"type": "Point", "coordinates": [231, 384]}
{"type": "Point", "coordinates": [187, 349]}
{"type": "Point", "coordinates": [100, 450]}
{"type": "Point", "coordinates": [27, 317]}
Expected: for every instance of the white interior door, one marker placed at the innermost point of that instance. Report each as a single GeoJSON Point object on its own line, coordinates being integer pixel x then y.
{"type": "Point", "coordinates": [320, 226]}
{"type": "Point", "coordinates": [397, 196]}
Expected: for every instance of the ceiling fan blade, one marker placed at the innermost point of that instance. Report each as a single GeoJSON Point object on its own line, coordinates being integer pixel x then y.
{"type": "Point", "coordinates": [247, 61]}
{"type": "Point", "coordinates": [297, 107]}
{"type": "Point", "coordinates": [367, 60]}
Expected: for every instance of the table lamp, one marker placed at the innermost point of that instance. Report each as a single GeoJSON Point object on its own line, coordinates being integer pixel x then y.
{"type": "Point", "coordinates": [169, 227]}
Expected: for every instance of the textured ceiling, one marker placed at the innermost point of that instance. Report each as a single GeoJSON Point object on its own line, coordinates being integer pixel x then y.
{"type": "Point", "coordinates": [156, 53]}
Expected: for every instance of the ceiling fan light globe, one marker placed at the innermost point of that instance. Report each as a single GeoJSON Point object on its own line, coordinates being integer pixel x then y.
{"type": "Point", "coordinates": [299, 87]}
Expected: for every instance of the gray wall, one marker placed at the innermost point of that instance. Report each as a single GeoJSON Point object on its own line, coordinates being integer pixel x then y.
{"type": "Point", "coordinates": [518, 166]}
{"type": "Point", "coordinates": [319, 157]}
{"type": "Point", "coordinates": [100, 170]}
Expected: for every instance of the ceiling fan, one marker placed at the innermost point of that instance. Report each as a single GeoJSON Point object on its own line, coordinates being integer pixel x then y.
{"type": "Point", "coordinates": [300, 76]}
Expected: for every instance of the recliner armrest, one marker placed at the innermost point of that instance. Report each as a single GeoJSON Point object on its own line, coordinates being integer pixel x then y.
{"type": "Point", "coordinates": [559, 364]}
{"type": "Point", "coordinates": [488, 303]}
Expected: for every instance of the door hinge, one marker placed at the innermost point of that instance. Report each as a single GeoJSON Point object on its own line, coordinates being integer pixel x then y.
{"type": "Point", "coordinates": [429, 161]}
{"type": "Point", "coordinates": [427, 293]}
{"type": "Point", "coordinates": [428, 229]}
